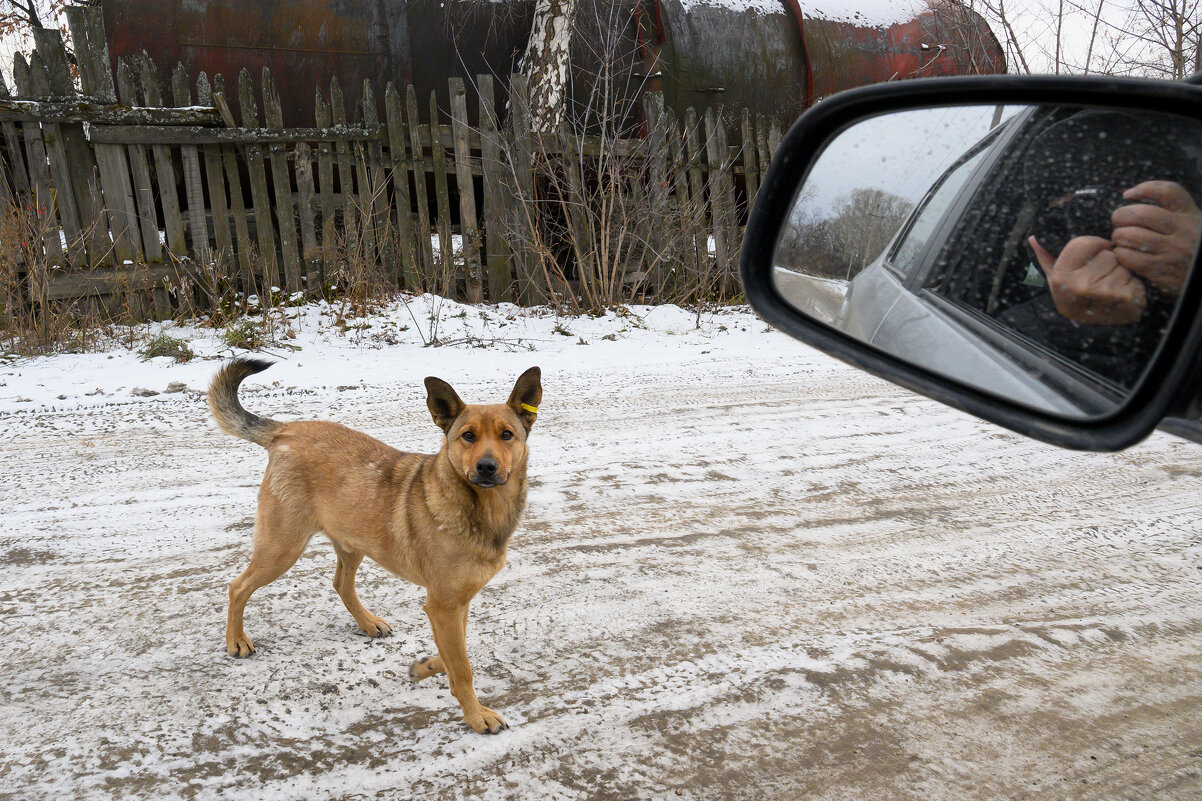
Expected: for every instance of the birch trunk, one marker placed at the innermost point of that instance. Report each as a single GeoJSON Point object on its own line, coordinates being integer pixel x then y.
{"type": "Point", "coordinates": [545, 62]}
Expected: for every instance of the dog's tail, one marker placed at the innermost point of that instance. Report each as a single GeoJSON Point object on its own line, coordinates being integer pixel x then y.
{"type": "Point", "coordinates": [223, 401]}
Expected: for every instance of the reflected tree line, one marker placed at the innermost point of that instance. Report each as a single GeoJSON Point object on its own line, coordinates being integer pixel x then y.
{"type": "Point", "coordinates": [839, 244]}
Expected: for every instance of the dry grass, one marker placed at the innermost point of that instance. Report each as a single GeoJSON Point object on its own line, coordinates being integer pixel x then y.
{"type": "Point", "coordinates": [29, 322]}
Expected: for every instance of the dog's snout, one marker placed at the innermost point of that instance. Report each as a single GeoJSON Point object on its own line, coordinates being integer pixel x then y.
{"type": "Point", "coordinates": [487, 473]}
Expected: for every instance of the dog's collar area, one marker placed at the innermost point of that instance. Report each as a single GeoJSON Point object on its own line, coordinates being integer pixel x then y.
{"type": "Point", "coordinates": [529, 408]}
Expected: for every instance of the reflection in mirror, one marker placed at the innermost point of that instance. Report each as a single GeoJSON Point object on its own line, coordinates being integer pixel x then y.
{"type": "Point", "coordinates": [1033, 252]}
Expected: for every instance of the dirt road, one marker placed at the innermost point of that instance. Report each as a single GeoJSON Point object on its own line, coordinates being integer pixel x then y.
{"type": "Point", "coordinates": [765, 579]}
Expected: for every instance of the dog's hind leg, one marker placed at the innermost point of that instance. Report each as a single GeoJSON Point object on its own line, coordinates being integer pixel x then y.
{"type": "Point", "coordinates": [344, 584]}
{"type": "Point", "coordinates": [277, 547]}
{"type": "Point", "coordinates": [426, 667]}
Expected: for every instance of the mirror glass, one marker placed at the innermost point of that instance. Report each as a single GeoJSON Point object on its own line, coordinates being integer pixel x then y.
{"type": "Point", "coordinates": [1034, 252]}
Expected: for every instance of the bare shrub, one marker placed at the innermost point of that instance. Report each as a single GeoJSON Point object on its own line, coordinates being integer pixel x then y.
{"type": "Point", "coordinates": [30, 322]}
{"type": "Point", "coordinates": [358, 281]}
{"type": "Point", "coordinates": [598, 225]}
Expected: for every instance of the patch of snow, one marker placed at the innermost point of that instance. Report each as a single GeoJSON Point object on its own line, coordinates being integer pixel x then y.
{"type": "Point", "coordinates": [872, 13]}
{"type": "Point", "coordinates": [456, 243]}
{"type": "Point", "coordinates": [868, 13]}
{"type": "Point", "coordinates": [737, 6]}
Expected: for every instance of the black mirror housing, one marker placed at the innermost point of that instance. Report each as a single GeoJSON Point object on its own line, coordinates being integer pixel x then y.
{"type": "Point", "coordinates": [1170, 386]}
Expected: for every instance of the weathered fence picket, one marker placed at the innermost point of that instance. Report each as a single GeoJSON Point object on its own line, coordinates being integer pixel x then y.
{"type": "Point", "coordinates": [214, 174]}
{"type": "Point", "coordinates": [699, 236]}
{"type": "Point", "coordinates": [500, 274]}
{"type": "Point", "coordinates": [198, 228]}
{"type": "Point", "coordinates": [164, 171]}
{"type": "Point", "coordinates": [139, 164]}
{"type": "Point", "coordinates": [43, 210]}
{"type": "Point", "coordinates": [325, 184]}
{"type": "Point", "coordinates": [438, 161]}
{"type": "Point", "coordinates": [763, 156]}
{"type": "Point", "coordinates": [115, 180]}
{"type": "Point", "coordinates": [473, 275]}
{"type": "Point", "coordinates": [657, 185]}
{"type": "Point", "coordinates": [365, 199]}
{"type": "Point", "coordinates": [421, 187]}
{"type": "Point", "coordinates": [721, 190]}
{"type": "Point", "coordinates": [346, 171]}
{"type": "Point", "coordinates": [282, 202]}
{"type": "Point", "coordinates": [237, 205]}
{"type": "Point", "coordinates": [385, 238]}
{"type": "Point", "coordinates": [14, 162]}
{"type": "Point", "coordinates": [310, 252]}
{"type": "Point", "coordinates": [522, 217]}
{"type": "Point", "coordinates": [751, 173]}
{"type": "Point", "coordinates": [260, 198]}
{"type": "Point", "coordinates": [401, 167]}
{"type": "Point", "coordinates": [66, 147]}
{"type": "Point", "coordinates": [686, 256]}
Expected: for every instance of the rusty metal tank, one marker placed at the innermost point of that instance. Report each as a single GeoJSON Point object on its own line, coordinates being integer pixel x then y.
{"type": "Point", "coordinates": [306, 42]}
{"type": "Point", "coordinates": [778, 57]}
{"type": "Point", "coordinates": [774, 57]}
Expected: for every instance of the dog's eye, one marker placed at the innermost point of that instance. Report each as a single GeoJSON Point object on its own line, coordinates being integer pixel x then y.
{"type": "Point", "coordinates": [469, 436]}
{"type": "Point", "coordinates": [506, 435]}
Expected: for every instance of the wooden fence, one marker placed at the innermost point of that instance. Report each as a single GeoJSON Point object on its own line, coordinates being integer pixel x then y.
{"type": "Point", "coordinates": [139, 201]}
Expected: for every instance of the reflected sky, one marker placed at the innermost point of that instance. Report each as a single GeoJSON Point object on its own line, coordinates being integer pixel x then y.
{"type": "Point", "coordinates": [902, 153]}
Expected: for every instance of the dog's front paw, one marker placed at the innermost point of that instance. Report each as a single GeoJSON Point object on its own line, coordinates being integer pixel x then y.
{"type": "Point", "coordinates": [375, 627]}
{"type": "Point", "coordinates": [486, 721]}
{"type": "Point", "coordinates": [239, 646]}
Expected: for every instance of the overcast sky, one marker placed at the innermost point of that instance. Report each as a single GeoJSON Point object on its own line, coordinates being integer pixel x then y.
{"type": "Point", "coordinates": [1035, 25]}
{"type": "Point", "coordinates": [901, 153]}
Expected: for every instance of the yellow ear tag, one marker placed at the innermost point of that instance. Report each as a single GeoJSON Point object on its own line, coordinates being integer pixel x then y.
{"type": "Point", "coordinates": [529, 408]}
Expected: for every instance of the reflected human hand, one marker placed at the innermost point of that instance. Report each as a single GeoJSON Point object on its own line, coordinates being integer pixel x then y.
{"type": "Point", "coordinates": [1089, 285]}
{"type": "Point", "coordinates": [1158, 242]}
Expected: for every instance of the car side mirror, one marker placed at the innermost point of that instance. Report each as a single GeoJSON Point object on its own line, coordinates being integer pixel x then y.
{"type": "Point", "coordinates": [1023, 248]}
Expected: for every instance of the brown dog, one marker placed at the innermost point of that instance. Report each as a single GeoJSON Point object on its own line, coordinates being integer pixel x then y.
{"type": "Point", "coordinates": [442, 521]}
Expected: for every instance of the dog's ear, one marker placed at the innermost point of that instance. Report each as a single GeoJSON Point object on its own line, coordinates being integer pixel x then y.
{"type": "Point", "coordinates": [527, 395]}
{"type": "Point", "coordinates": [443, 403]}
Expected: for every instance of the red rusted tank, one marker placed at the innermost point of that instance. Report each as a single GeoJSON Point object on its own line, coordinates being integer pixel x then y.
{"type": "Point", "coordinates": [772, 56]}
{"type": "Point", "coordinates": [779, 56]}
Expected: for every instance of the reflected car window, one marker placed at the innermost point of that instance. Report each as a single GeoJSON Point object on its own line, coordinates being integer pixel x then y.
{"type": "Point", "coordinates": [988, 267]}
{"type": "Point", "coordinates": [907, 253]}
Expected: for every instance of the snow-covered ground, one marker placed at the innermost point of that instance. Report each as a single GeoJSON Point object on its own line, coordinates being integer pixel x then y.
{"type": "Point", "coordinates": [746, 571]}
